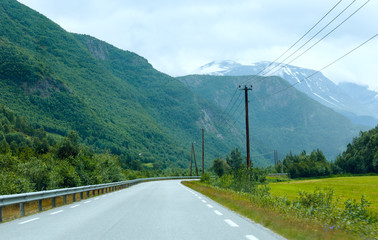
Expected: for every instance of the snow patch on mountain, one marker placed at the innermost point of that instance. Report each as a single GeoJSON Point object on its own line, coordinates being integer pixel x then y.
{"type": "Point", "coordinates": [344, 98]}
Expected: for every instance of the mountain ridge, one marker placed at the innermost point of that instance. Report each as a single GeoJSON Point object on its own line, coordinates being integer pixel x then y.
{"type": "Point", "coordinates": [311, 82]}
{"type": "Point", "coordinates": [113, 98]}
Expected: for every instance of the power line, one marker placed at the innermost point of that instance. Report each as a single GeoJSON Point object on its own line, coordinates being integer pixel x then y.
{"type": "Point", "coordinates": [316, 34]}
{"type": "Point", "coordinates": [316, 24]}
{"type": "Point", "coordinates": [354, 49]}
{"type": "Point", "coordinates": [321, 38]}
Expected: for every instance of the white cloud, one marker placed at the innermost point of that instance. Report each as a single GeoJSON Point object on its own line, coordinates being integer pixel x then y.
{"type": "Point", "coordinates": [179, 36]}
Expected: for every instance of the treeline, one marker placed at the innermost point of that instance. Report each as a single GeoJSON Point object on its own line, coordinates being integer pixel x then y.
{"type": "Point", "coordinates": [31, 160]}
{"type": "Point", "coordinates": [361, 157]}
{"type": "Point", "coordinates": [303, 165]}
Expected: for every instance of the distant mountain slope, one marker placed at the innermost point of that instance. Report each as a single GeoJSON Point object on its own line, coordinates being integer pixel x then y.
{"type": "Point", "coordinates": [288, 121]}
{"type": "Point", "coordinates": [359, 105]}
{"type": "Point", "coordinates": [113, 98]}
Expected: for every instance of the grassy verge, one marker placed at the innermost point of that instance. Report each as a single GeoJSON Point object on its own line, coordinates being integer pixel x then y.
{"type": "Point", "coordinates": [344, 188]}
{"type": "Point", "coordinates": [285, 225]}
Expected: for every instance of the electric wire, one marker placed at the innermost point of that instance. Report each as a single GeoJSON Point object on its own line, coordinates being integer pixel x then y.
{"type": "Point", "coordinates": [330, 64]}
{"type": "Point", "coordinates": [308, 49]}
{"type": "Point", "coordinates": [316, 24]}
{"type": "Point", "coordinates": [317, 33]}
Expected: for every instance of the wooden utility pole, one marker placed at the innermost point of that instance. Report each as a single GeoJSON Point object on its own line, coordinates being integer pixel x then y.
{"type": "Point", "coordinates": [191, 160]}
{"type": "Point", "coordinates": [203, 152]}
{"type": "Point", "coordinates": [246, 89]}
{"type": "Point", "coordinates": [194, 156]}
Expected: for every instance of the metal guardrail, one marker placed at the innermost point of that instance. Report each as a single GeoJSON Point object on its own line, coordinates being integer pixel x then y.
{"type": "Point", "coordinates": [23, 198]}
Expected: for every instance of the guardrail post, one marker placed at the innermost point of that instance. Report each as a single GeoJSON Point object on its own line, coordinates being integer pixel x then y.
{"type": "Point", "coordinates": [87, 193]}
{"type": "Point", "coordinates": [106, 189]}
{"type": "Point", "coordinates": [1, 214]}
{"type": "Point", "coordinates": [98, 191]}
{"type": "Point", "coordinates": [53, 202]}
{"type": "Point", "coordinates": [93, 192]}
{"type": "Point", "coordinates": [81, 196]}
{"type": "Point", "coordinates": [22, 209]}
{"type": "Point", "coordinates": [64, 199]}
{"type": "Point", "coordinates": [40, 205]}
{"type": "Point", "coordinates": [74, 197]}
{"type": "Point", "coordinates": [102, 191]}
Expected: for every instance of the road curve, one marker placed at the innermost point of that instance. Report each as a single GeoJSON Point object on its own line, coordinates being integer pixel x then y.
{"type": "Point", "coordinates": [160, 210]}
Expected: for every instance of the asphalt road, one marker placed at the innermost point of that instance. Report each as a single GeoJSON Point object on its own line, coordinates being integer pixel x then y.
{"type": "Point", "coordinates": [160, 210]}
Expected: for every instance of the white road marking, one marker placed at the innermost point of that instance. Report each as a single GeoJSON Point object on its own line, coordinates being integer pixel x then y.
{"type": "Point", "coordinates": [104, 196]}
{"type": "Point", "coordinates": [97, 198]}
{"type": "Point", "coordinates": [251, 237]}
{"type": "Point", "coordinates": [199, 198]}
{"type": "Point", "coordinates": [53, 213]}
{"type": "Point", "coordinates": [30, 220]}
{"type": "Point", "coordinates": [218, 213]}
{"type": "Point", "coordinates": [209, 205]}
{"type": "Point", "coordinates": [75, 206]}
{"type": "Point", "coordinates": [88, 201]}
{"type": "Point", "coordinates": [231, 223]}
{"type": "Point", "coordinates": [204, 201]}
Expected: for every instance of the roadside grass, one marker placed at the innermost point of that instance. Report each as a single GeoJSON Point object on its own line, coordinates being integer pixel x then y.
{"type": "Point", "coordinates": [288, 226]}
{"type": "Point", "coordinates": [344, 188]}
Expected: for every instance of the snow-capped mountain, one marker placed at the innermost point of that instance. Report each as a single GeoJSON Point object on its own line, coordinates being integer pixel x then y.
{"type": "Point", "coordinates": [356, 102]}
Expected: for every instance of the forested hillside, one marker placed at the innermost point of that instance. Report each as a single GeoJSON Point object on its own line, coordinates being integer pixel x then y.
{"type": "Point", "coordinates": [285, 121]}
{"type": "Point", "coordinates": [361, 156]}
{"type": "Point", "coordinates": [114, 99]}
{"type": "Point", "coordinates": [30, 159]}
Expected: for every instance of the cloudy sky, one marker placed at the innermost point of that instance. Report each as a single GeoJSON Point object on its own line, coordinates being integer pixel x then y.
{"type": "Point", "coordinates": [179, 36]}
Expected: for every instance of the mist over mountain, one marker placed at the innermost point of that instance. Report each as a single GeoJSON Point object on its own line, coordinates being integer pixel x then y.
{"type": "Point", "coordinates": [356, 102]}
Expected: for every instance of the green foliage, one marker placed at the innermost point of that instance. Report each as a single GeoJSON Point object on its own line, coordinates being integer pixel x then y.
{"type": "Point", "coordinates": [219, 167]}
{"type": "Point", "coordinates": [361, 156]}
{"type": "Point", "coordinates": [234, 160]}
{"type": "Point", "coordinates": [69, 146]}
{"type": "Point", "coordinates": [31, 160]}
{"type": "Point", "coordinates": [113, 99]}
{"type": "Point", "coordinates": [289, 121]}
{"type": "Point", "coordinates": [205, 178]}
{"type": "Point", "coordinates": [304, 165]}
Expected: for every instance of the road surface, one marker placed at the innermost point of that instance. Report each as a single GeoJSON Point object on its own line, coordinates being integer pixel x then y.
{"type": "Point", "coordinates": [160, 210]}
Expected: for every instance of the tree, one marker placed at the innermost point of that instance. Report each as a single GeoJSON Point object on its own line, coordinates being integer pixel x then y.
{"type": "Point", "coordinates": [69, 146]}
{"type": "Point", "coordinates": [219, 167]}
{"type": "Point", "coordinates": [234, 160]}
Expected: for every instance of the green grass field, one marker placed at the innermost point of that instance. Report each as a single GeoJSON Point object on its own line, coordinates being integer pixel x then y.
{"type": "Point", "coordinates": [344, 188]}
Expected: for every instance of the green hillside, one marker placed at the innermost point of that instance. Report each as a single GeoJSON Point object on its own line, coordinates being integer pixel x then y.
{"type": "Point", "coordinates": [113, 98]}
{"type": "Point", "coordinates": [117, 101]}
{"type": "Point", "coordinates": [287, 121]}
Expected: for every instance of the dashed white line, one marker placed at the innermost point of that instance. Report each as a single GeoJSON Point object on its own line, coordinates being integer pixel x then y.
{"type": "Point", "coordinates": [53, 213]}
{"type": "Point", "coordinates": [104, 196]}
{"type": "Point", "coordinates": [97, 198]}
{"type": "Point", "coordinates": [218, 213]}
{"type": "Point", "coordinates": [199, 198]}
{"type": "Point", "coordinates": [75, 206]}
{"type": "Point", "coordinates": [231, 223]}
{"type": "Point", "coordinates": [204, 201]}
{"type": "Point", "coordinates": [30, 220]}
{"type": "Point", "coordinates": [209, 205]}
{"type": "Point", "coordinates": [251, 237]}
{"type": "Point", "coordinates": [88, 201]}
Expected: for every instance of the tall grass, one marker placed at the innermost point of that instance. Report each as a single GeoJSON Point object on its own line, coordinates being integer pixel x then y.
{"type": "Point", "coordinates": [316, 211]}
